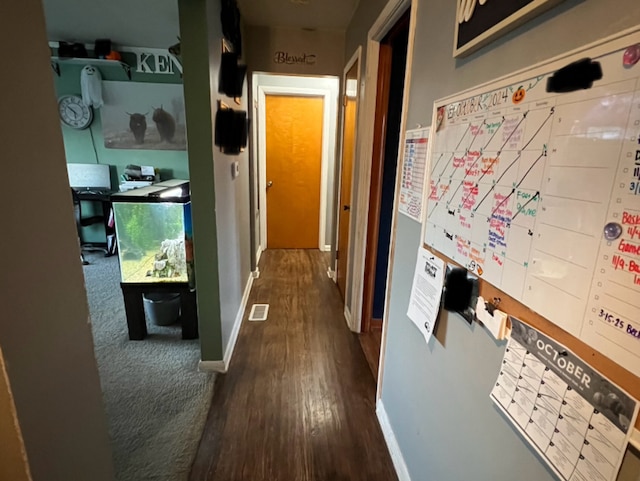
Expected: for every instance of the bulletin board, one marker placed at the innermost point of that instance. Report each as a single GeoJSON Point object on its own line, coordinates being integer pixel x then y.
{"type": "Point", "coordinates": [538, 194]}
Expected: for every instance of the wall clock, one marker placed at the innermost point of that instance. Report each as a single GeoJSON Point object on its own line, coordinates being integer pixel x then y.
{"type": "Point", "coordinates": [74, 113]}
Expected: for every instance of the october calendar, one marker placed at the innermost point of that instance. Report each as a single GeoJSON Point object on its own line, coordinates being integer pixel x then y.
{"type": "Point", "coordinates": [577, 420]}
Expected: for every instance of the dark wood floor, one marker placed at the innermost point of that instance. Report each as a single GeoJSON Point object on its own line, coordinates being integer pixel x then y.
{"type": "Point", "coordinates": [298, 402]}
{"type": "Point", "coordinates": [370, 342]}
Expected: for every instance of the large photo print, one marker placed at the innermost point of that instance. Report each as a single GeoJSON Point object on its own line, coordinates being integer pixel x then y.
{"type": "Point", "coordinates": [143, 116]}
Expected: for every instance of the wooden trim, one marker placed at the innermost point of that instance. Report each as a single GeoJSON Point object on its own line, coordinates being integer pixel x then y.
{"type": "Point", "coordinates": [387, 18]}
{"type": "Point", "coordinates": [375, 187]}
{"type": "Point", "coordinates": [356, 57]}
{"type": "Point", "coordinates": [413, 22]}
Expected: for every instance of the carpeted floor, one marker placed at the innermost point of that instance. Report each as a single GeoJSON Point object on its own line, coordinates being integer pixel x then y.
{"type": "Point", "coordinates": [156, 400]}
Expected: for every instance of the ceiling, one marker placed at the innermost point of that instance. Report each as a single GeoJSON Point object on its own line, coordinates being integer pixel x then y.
{"type": "Point", "coordinates": [313, 14]}
{"type": "Point", "coordinates": [154, 23]}
{"type": "Point", "coordinates": [135, 23]}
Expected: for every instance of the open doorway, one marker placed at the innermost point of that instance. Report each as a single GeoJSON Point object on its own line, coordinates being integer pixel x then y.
{"type": "Point", "coordinates": [388, 115]}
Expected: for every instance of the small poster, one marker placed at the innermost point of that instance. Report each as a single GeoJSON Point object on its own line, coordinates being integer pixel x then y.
{"type": "Point", "coordinates": [576, 418]}
{"type": "Point", "coordinates": [426, 292]}
{"type": "Point", "coordinates": [413, 171]}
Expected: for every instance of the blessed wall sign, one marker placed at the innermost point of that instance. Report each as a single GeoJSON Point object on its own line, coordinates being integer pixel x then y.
{"type": "Point", "coordinates": [287, 58]}
{"type": "Point", "coordinates": [478, 22]}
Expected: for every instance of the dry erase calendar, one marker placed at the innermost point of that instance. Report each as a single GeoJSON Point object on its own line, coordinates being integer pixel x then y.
{"type": "Point", "coordinates": [538, 194]}
{"type": "Point", "coordinates": [578, 421]}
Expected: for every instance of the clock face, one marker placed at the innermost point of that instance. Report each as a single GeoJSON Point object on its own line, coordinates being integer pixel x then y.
{"type": "Point", "coordinates": [74, 113]}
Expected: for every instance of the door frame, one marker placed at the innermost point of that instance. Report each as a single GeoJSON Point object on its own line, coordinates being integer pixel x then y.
{"type": "Point", "coordinates": [356, 57]}
{"type": "Point", "coordinates": [328, 139]}
{"type": "Point", "coordinates": [391, 13]}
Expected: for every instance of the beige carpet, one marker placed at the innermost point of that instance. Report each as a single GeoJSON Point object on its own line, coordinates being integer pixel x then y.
{"type": "Point", "coordinates": [156, 400]}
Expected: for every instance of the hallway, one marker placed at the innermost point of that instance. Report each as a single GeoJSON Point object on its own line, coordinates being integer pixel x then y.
{"type": "Point", "coordinates": [298, 402]}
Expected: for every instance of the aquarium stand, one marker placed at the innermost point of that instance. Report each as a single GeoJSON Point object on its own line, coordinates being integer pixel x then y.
{"type": "Point", "coordinates": [134, 307]}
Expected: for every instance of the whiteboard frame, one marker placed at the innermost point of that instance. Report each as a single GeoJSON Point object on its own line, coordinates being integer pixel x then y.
{"type": "Point", "coordinates": [503, 27]}
{"type": "Point", "coordinates": [596, 49]}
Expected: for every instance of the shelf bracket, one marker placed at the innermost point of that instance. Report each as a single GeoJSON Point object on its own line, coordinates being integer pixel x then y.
{"type": "Point", "coordinates": [127, 68]}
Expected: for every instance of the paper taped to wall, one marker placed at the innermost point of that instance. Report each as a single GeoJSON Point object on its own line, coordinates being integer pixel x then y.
{"type": "Point", "coordinates": [426, 292]}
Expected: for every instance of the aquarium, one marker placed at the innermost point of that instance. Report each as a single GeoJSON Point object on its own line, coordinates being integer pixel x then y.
{"type": "Point", "coordinates": [153, 227]}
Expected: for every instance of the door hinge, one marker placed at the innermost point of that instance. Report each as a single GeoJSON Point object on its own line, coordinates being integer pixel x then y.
{"type": "Point", "coordinates": [344, 100]}
{"type": "Point", "coordinates": [255, 104]}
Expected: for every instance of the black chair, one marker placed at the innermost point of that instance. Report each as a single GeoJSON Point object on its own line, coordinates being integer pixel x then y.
{"type": "Point", "coordinates": [84, 222]}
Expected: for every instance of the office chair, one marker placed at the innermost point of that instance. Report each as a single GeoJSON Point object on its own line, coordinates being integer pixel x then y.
{"type": "Point", "coordinates": [84, 222]}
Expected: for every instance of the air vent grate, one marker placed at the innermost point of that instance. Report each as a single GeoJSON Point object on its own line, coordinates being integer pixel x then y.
{"type": "Point", "coordinates": [259, 312]}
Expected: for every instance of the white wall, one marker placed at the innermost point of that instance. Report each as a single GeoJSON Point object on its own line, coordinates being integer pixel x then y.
{"type": "Point", "coordinates": [282, 83]}
{"type": "Point", "coordinates": [44, 326]}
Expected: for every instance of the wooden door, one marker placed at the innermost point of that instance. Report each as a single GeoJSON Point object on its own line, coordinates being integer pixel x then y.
{"type": "Point", "coordinates": [348, 148]}
{"type": "Point", "coordinates": [293, 165]}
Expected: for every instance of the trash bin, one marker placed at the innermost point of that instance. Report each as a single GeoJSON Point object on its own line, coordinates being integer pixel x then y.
{"type": "Point", "coordinates": [162, 308]}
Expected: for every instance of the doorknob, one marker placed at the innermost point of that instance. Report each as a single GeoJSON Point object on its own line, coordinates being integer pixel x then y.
{"type": "Point", "coordinates": [346, 207]}
{"type": "Point", "coordinates": [269, 184]}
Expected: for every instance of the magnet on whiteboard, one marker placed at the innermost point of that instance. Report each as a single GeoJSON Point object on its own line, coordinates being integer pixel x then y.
{"type": "Point", "coordinates": [631, 56]}
{"type": "Point", "coordinates": [612, 231]}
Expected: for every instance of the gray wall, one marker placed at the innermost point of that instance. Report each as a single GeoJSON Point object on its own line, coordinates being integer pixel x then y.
{"type": "Point", "coordinates": [437, 396]}
{"type": "Point", "coordinates": [45, 333]}
{"type": "Point", "coordinates": [232, 196]}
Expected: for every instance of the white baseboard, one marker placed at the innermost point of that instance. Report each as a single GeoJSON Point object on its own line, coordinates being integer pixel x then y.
{"type": "Point", "coordinates": [237, 323]}
{"type": "Point", "coordinates": [255, 274]}
{"type": "Point", "coordinates": [392, 443]}
{"type": "Point", "coordinates": [331, 274]}
{"type": "Point", "coordinates": [326, 248]}
{"type": "Point", "coordinates": [258, 255]}
{"type": "Point", "coordinates": [212, 366]}
{"type": "Point", "coordinates": [223, 366]}
{"type": "Point", "coordinates": [347, 317]}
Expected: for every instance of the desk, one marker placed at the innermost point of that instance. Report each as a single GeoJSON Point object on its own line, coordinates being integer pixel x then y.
{"type": "Point", "coordinates": [104, 198]}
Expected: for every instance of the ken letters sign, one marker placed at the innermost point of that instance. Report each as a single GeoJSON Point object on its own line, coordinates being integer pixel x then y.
{"type": "Point", "coordinates": [478, 22]}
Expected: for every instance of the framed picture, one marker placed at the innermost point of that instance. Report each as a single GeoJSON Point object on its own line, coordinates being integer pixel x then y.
{"type": "Point", "coordinates": [143, 116]}
{"type": "Point", "coordinates": [479, 22]}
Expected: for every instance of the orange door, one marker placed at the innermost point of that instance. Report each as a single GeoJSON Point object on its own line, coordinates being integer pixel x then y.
{"type": "Point", "coordinates": [293, 164]}
{"type": "Point", "coordinates": [348, 145]}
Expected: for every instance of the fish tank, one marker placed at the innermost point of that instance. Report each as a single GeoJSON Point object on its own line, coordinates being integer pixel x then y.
{"type": "Point", "coordinates": [153, 231]}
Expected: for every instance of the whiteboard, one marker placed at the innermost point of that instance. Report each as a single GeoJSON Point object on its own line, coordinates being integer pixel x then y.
{"type": "Point", "coordinates": [521, 184]}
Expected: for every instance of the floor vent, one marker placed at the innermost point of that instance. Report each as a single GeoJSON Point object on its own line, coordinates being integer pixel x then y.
{"type": "Point", "coordinates": [259, 312]}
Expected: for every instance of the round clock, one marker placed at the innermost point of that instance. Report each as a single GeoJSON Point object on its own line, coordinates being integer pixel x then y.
{"type": "Point", "coordinates": [74, 113]}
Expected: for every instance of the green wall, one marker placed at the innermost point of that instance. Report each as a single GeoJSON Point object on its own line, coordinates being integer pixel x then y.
{"type": "Point", "coordinates": [197, 95]}
{"type": "Point", "coordinates": [87, 146]}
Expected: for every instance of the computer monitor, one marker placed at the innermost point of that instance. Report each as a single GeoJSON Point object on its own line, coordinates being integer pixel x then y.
{"type": "Point", "coordinates": [89, 176]}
